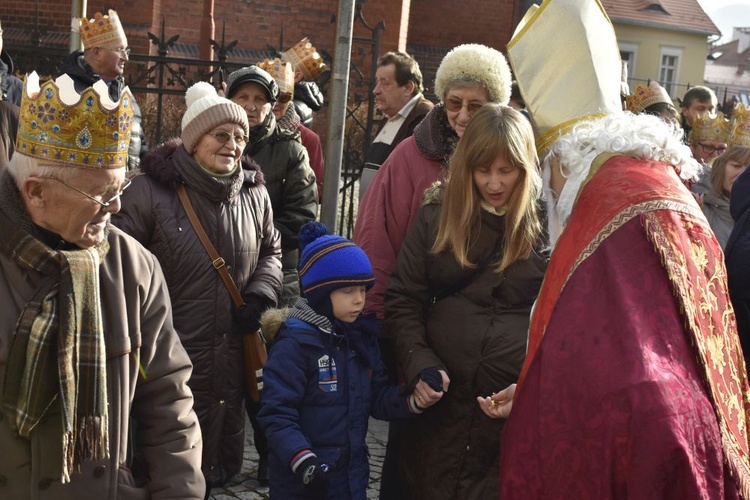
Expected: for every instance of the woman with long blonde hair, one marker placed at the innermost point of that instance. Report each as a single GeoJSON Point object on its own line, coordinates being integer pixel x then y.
{"type": "Point", "coordinates": [498, 133]}
{"type": "Point", "coordinates": [458, 303]}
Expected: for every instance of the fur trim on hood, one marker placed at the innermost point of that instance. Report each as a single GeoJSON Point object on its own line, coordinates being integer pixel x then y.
{"type": "Point", "coordinates": [158, 165]}
{"type": "Point", "coordinates": [433, 195]}
{"type": "Point", "coordinates": [271, 322]}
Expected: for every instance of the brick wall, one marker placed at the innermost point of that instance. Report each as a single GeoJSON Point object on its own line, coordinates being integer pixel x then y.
{"type": "Point", "coordinates": [436, 26]}
{"type": "Point", "coordinates": [427, 28]}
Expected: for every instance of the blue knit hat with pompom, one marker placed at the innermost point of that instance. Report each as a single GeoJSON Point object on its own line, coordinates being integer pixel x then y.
{"type": "Point", "coordinates": [329, 262]}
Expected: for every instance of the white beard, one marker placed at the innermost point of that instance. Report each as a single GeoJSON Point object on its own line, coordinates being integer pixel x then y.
{"type": "Point", "coordinates": [560, 206]}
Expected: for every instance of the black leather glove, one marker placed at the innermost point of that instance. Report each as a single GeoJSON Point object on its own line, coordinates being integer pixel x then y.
{"type": "Point", "coordinates": [313, 471]}
{"type": "Point", "coordinates": [249, 316]}
{"type": "Point", "coordinates": [433, 378]}
{"type": "Point", "coordinates": [309, 93]}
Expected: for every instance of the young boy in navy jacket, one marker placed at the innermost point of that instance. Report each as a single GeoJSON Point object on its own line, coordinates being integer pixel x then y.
{"type": "Point", "coordinates": [324, 377]}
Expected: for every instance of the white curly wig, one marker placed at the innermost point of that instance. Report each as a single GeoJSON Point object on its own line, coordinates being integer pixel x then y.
{"type": "Point", "coordinates": [642, 136]}
{"type": "Point", "coordinates": [474, 63]}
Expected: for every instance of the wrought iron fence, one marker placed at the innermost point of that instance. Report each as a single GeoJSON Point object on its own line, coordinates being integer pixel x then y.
{"type": "Point", "coordinates": [159, 82]}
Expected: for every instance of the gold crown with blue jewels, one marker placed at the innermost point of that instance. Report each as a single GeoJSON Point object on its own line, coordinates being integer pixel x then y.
{"type": "Point", "coordinates": [86, 130]}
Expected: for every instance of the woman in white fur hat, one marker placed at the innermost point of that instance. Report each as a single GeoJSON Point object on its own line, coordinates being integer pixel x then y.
{"type": "Point", "coordinates": [231, 201]}
{"type": "Point", "coordinates": [469, 76]}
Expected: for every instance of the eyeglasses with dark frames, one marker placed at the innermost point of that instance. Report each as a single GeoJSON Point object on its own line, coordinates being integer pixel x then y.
{"type": "Point", "coordinates": [104, 203]}
{"type": "Point", "coordinates": [223, 136]}
{"type": "Point", "coordinates": [709, 149]}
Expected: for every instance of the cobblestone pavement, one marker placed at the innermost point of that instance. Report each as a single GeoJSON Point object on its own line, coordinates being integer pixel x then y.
{"type": "Point", "coordinates": [245, 485]}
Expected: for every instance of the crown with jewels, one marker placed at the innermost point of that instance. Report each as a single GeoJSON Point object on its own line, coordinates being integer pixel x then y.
{"type": "Point", "coordinates": [740, 135]}
{"type": "Point", "coordinates": [86, 130]}
{"type": "Point", "coordinates": [711, 128]}
{"type": "Point", "coordinates": [281, 72]}
{"type": "Point", "coordinates": [102, 30]}
{"type": "Point", "coordinates": [305, 59]}
{"type": "Point", "coordinates": [646, 95]}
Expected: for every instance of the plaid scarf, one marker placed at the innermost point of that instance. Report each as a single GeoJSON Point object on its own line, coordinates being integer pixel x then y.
{"type": "Point", "coordinates": [289, 123]}
{"type": "Point", "coordinates": [58, 347]}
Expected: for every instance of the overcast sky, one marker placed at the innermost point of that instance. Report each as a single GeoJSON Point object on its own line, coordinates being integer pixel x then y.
{"type": "Point", "coordinates": [711, 5]}
{"type": "Point", "coordinates": [727, 14]}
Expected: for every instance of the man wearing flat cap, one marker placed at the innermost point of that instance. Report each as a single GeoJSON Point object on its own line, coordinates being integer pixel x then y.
{"type": "Point", "coordinates": [92, 372]}
{"type": "Point", "coordinates": [634, 383]}
{"type": "Point", "coordinates": [291, 186]}
{"type": "Point", "coordinates": [286, 167]}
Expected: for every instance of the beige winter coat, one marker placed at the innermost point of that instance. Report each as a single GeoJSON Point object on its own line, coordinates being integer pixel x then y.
{"type": "Point", "coordinates": [155, 410]}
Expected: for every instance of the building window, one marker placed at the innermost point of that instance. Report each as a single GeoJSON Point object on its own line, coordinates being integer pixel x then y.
{"type": "Point", "coordinates": [669, 69]}
{"type": "Point", "coordinates": [627, 54]}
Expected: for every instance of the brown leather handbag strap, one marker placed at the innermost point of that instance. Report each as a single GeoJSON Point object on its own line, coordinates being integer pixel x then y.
{"type": "Point", "coordinates": [216, 259]}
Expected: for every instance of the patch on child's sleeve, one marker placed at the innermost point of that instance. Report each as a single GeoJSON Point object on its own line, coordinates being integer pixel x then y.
{"type": "Point", "coordinates": [327, 380]}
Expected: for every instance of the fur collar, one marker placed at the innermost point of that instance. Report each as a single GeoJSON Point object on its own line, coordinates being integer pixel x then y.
{"type": "Point", "coordinates": [434, 136]}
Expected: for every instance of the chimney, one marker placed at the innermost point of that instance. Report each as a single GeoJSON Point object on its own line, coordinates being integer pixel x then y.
{"type": "Point", "coordinates": [743, 37]}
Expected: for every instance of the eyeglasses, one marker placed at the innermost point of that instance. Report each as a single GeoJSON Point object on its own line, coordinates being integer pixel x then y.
{"type": "Point", "coordinates": [106, 203]}
{"type": "Point", "coordinates": [709, 150]}
{"type": "Point", "coordinates": [285, 97]}
{"type": "Point", "coordinates": [223, 137]}
{"type": "Point", "coordinates": [122, 51]}
{"type": "Point", "coordinates": [455, 105]}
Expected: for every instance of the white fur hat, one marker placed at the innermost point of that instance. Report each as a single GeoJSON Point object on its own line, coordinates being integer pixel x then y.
{"type": "Point", "coordinates": [475, 63]}
{"type": "Point", "coordinates": [206, 111]}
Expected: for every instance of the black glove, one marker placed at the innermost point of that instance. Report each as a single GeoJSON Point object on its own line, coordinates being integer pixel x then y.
{"type": "Point", "coordinates": [249, 316]}
{"type": "Point", "coordinates": [313, 471]}
{"type": "Point", "coordinates": [433, 378]}
{"type": "Point", "coordinates": [309, 93]}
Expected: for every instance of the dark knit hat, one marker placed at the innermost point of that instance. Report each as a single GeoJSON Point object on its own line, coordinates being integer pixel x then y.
{"type": "Point", "coordinates": [329, 262]}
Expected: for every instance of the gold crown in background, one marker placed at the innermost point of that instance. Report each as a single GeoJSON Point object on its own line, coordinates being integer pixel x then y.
{"type": "Point", "coordinates": [86, 130]}
{"type": "Point", "coordinates": [102, 30]}
{"type": "Point", "coordinates": [305, 58]}
{"type": "Point", "coordinates": [282, 72]}
{"type": "Point", "coordinates": [646, 95]}
{"type": "Point", "coordinates": [711, 128]}
{"type": "Point", "coordinates": [740, 135]}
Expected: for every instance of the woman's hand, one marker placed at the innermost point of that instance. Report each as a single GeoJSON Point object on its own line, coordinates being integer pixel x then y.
{"type": "Point", "coordinates": [426, 396]}
{"type": "Point", "coordinates": [498, 405]}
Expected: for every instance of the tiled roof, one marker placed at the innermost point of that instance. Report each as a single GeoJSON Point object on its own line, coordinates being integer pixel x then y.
{"type": "Point", "coordinates": [676, 15]}
{"type": "Point", "coordinates": [726, 54]}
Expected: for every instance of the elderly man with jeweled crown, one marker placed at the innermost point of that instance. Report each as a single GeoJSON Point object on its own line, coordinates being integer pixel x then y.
{"type": "Point", "coordinates": [105, 52]}
{"type": "Point", "coordinates": [93, 378]}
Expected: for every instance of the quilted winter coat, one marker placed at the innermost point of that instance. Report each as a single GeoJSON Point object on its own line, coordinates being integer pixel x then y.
{"type": "Point", "coordinates": [476, 331]}
{"type": "Point", "coordinates": [236, 214]}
